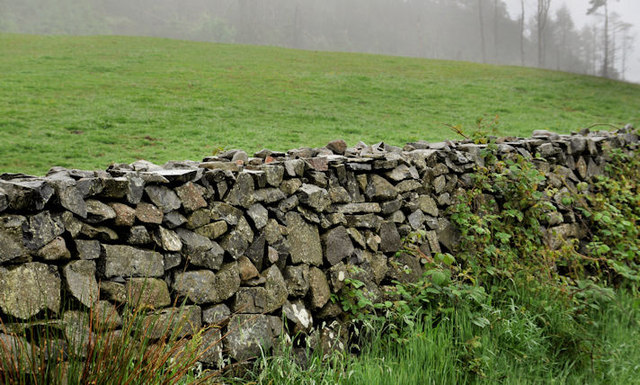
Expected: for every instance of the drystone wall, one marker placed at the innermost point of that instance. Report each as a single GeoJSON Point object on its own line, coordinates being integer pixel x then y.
{"type": "Point", "coordinates": [249, 243]}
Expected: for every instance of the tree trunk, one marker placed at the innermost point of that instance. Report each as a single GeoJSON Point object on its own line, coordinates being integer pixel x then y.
{"type": "Point", "coordinates": [605, 64]}
{"type": "Point", "coordinates": [522, 34]}
{"type": "Point", "coordinates": [482, 38]}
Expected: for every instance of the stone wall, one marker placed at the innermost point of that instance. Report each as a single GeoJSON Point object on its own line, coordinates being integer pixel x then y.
{"type": "Point", "coordinates": [249, 241]}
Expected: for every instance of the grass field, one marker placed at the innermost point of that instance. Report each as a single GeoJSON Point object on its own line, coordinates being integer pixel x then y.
{"type": "Point", "coordinates": [85, 102]}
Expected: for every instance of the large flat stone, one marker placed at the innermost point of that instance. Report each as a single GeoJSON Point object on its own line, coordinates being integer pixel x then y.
{"type": "Point", "coordinates": [29, 289]}
{"type": "Point", "coordinates": [304, 241]}
{"type": "Point", "coordinates": [127, 261]}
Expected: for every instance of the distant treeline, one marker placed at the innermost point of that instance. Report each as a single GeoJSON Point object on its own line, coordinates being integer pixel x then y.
{"type": "Point", "coordinates": [471, 30]}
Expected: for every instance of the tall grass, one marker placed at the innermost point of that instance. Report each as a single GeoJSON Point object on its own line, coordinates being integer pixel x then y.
{"type": "Point", "coordinates": [532, 338]}
{"type": "Point", "coordinates": [147, 349]}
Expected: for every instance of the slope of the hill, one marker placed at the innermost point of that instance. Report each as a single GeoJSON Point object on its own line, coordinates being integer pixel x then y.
{"type": "Point", "coordinates": [85, 102]}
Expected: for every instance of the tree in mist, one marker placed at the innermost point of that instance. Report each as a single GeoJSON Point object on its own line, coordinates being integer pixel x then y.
{"type": "Point", "coordinates": [626, 45]}
{"type": "Point", "coordinates": [522, 18]}
{"type": "Point", "coordinates": [595, 5]}
{"type": "Point", "coordinates": [542, 17]}
{"type": "Point", "coordinates": [469, 30]}
{"type": "Point", "coordinates": [483, 42]}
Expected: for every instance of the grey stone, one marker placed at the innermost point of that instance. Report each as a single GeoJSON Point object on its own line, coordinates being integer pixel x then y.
{"type": "Point", "coordinates": [172, 260]}
{"type": "Point", "coordinates": [213, 230]}
{"type": "Point", "coordinates": [247, 269]}
{"type": "Point", "coordinates": [105, 316]}
{"type": "Point", "coordinates": [125, 215]}
{"type": "Point", "coordinates": [191, 197]}
{"type": "Point", "coordinates": [255, 251]}
{"type": "Point", "coordinates": [198, 218]}
{"type": "Point", "coordinates": [294, 167]}
{"type": "Point", "coordinates": [28, 289]}
{"type": "Point", "coordinates": [304, 241]}
{"type": "Point", "coordinates": [319, 292]}
{"type": "Point", "coordinates": [390, 241]}
{"type": "Point", "coordinates": [366, 221]}
{"type": "Point", "coordinates": [163, 197]}
{"type": "Point", "coordinates": [203, 286]}
{"type": "Point", "coordinates": [338, 194]}
{"type": "Point", "coordinates": [102, 233]}
{"type": "Point", "coordinates": [226, 212]}
{"type": "Point", "coordinates": [581, 168]}
{"type": "Point", "coordinates": [408, 185]}
{"type": "Point", "coordinates": [198, 286]}
{"type": "Point", "coordinates": [373, 240]}
{"type": "Point", "coordinates": [244, 229]}
{"type": "Point", "coordinates": [290, 186]}
{"type": "Point", "coordinates": [404, 268]}
{"type": "Point", "coordinates": [356, 208]}
{"type": "Point", "coordinates": [288, 204]}
{"type": "Point", "coordinates": [447, 234]}
{"type": "Point", "coordinates": [402, 172]}
{"type": "Point", "coordinates": [113, 291]}
{"type": "Point", "coordinates": [416, 219]}
{"type": "Point", "coordinates": [135, 189]}
{"type": "Point", "coordinates": [268, 195]}
{"type": "Point", "coordinates": [428, 205]}
{"type": "Point", "coordinates": [27, 195]}
{"type": "Point", "coordinates": [167, 239]}
{"type": "Point", "coordinates": [297, 280]}
{"type": "Point", "coordinates": [249, 336]}
{"type": "Point", "coordinates": [138, 235]}
{"type": "Point", "coordinates": [147, 293]}
{"type": "Point", "coordinates": [259, 215]}
{"type": "Point", "coordinates": [41, 229]}
{"type": "Point", "coordinates": [299, 315]}
{"type": "Point", "coordinates": [337, 146]}
{"type": "Point", "coordinates": [276, 289]}
{"type": "Point", "coordinates": [397, 217]}
{"type": "Point", "coordinates": [217, 315]}
{"type": "Point", "coordinates": [127, 261]}
{"type": "Point", "coordinates": [228, 166]}
{"type": "Point", "coordinates": [337, 245]}
{"type": "Point", "coordinates": [241, 193]}
{"type": "Point", "coordinates": [250, 300]}
{"type": "Point", "coordinates": [70, 198]}
{"type": "Point", "coordinates": [80, 277]}
{"type": "Point", "coordinates": [210, 348]}
{"type": "Point", "coordinates": [357, 237]}
{"type": "Point", "coordinates": [55, 250]}
{"type": "Point", "coordinates": [273, 231]}
{"type": "Point", "coordinates": [148, 213]}
{"type": "Point", "coordinates": [87, 249]}
{"type": "Point", "coordinates": [90, 186]}
{"type": "Point", "coordinates": [379, 189]}
{"type": "Point", "coordinates": [273, 255]}
{"type": "Point", "coordinates": [4, 200]}
{"type": "Point", "coordinates": [376, 264]}
{"type": "Point", "coordinates": [234, 244]}
{"type": "Point", "coordinates": [439, 184]}
{"type": "Point", "coordinates": [98, 212]}
{"type": "Point", "coordinates": [432, 240]}
{"type": "Point", "coordinates": [274, 174]}
{"type": "Point", "coordinates": [176, 322]}
{"type": "Point", "coordinates": [314, 197]}
{"type": "Point", "coordinates": [199, 250]}
{"type": "Point", "coordinates": [173, 219]}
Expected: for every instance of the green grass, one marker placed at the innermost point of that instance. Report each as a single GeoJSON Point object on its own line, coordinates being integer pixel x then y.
{"type": "Point", "coordinates": [85, 102]}
{"type": "Point", "coordinates": [529, 341]}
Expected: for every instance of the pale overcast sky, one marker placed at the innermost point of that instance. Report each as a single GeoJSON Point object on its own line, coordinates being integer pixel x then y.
{"type": "Point", "coordinates": [629, 10]}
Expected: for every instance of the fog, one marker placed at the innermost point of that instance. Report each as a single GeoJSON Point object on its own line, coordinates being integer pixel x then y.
{"type": "Point", "coordinates": [489, 31]}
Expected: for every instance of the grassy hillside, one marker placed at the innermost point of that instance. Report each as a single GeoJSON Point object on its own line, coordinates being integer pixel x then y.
{"type": "Point", "coordinates": [85, 102]}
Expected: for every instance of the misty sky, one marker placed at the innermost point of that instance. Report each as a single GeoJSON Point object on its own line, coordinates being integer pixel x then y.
{"type": "Point", "coordinates": [629, 10]}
